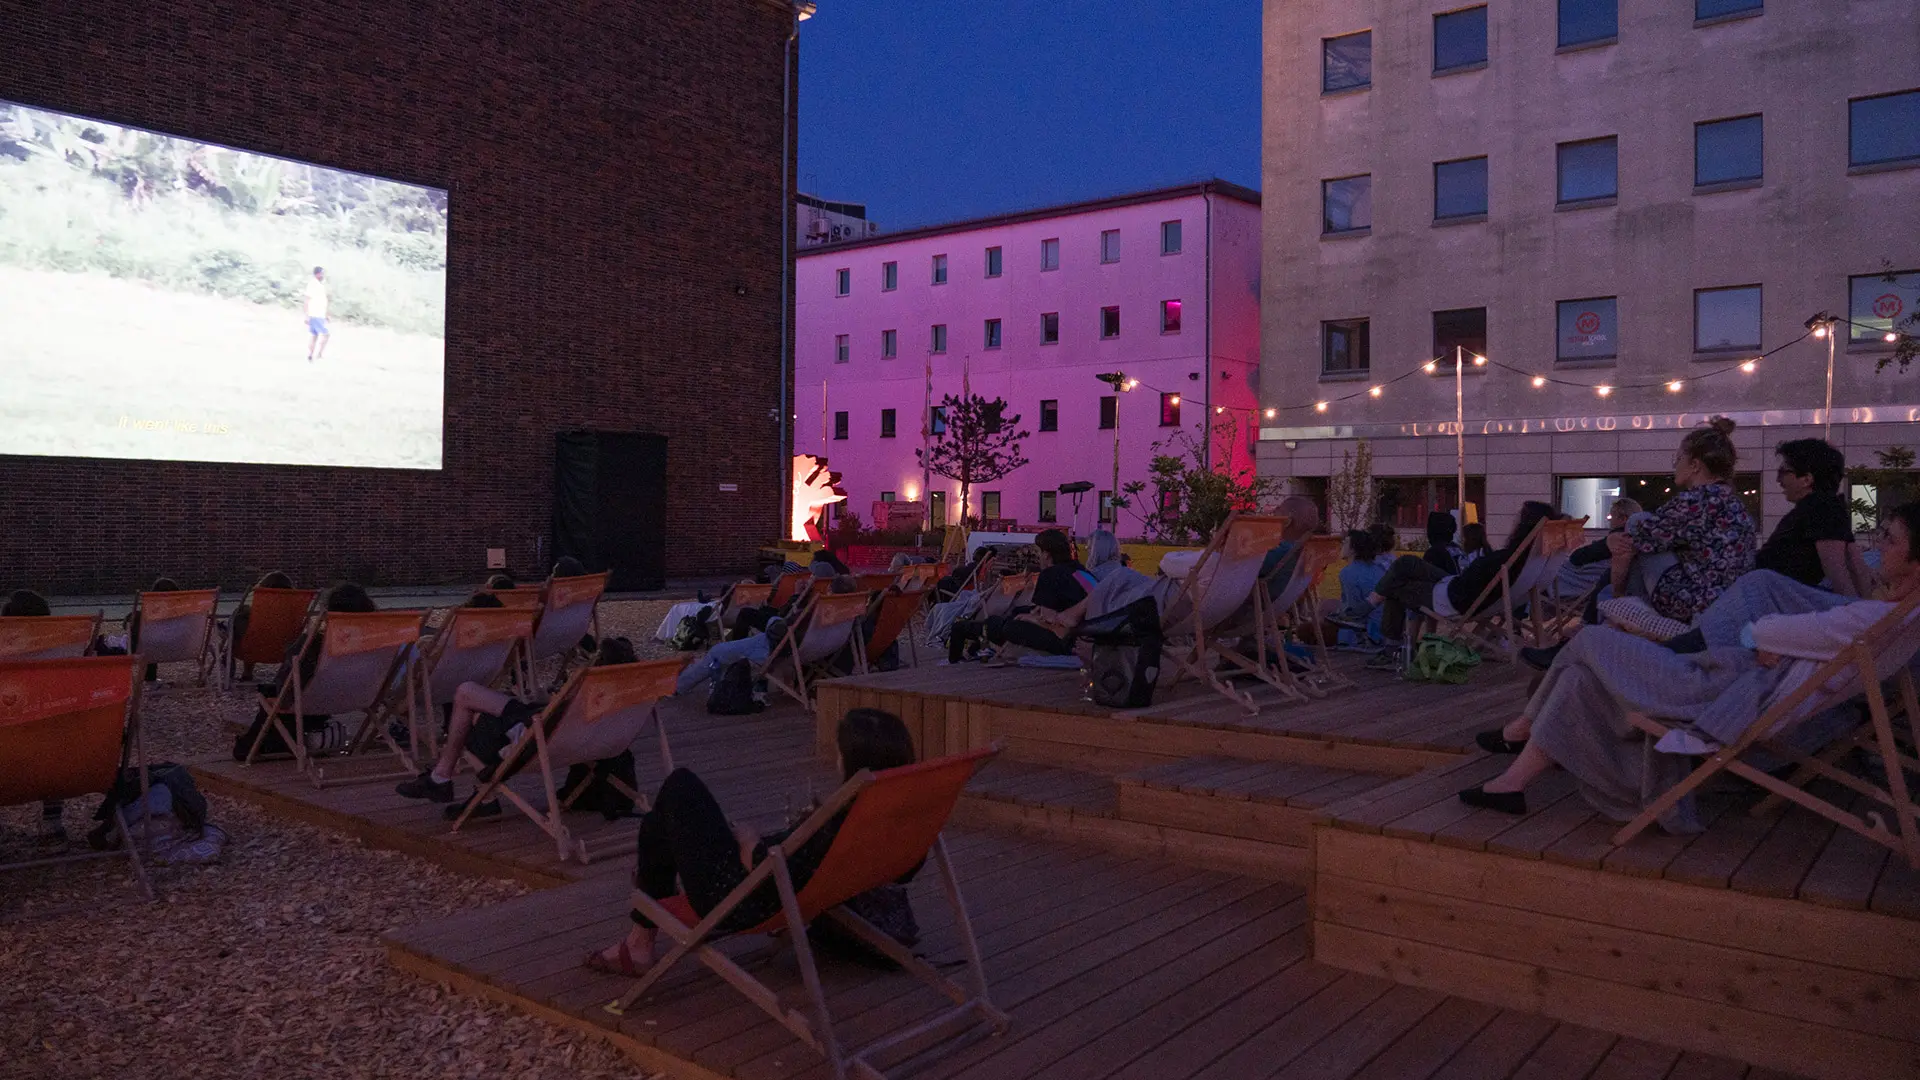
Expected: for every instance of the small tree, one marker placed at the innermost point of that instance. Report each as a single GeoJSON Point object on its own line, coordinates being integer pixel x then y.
{"type": "Point", "coordinates": [980, 443]}
{"type": "Point", "coordinates": [1907, 326]}
{"type": "Point", "coordinates": [1350, 492]}
{"type": "Point", "coordinates": [1892, 482]}
{"type": "Point", "coordinates": [1192, 500]}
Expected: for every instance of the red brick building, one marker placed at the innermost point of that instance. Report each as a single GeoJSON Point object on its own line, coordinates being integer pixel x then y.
{"type": "Point", "coordinates": [614, 180]}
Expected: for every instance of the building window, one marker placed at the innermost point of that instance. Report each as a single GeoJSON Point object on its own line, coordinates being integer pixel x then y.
{"type": "Point", "coordinates": [889, 276]}
{"type": "Point", "coordinates": [842, 281]}
{"type": "Point", "coordinates": [1878, 306]}
{"type": "Point", "coordinates": [1589, 169]}
{"type": "Point", "coordinates": [939, 507]}
{"type": "Point", "coordinates": [1464, 329]}
{"type": "Point", "coordinates": [1713, 9]}
{"type": "Point", "coordinates": [1405, 501]}
{"type": "Point", "coordinates": [1726, 319]}
{"type": "Point", "coordinates": [1343, 347]}
{"type": "Point", "coordinates": [1460, 188]}
{"type": "Point", "coordinates": [1726, 151]}
{"type": "Point", "coordinates": [1169, 316]}
{"type": "Point", "coordinates": [993, 334]}
{"type": "Point", "coordinates": [1109, 412]}
{"type": "Point", "coordinates": [1050, 254]}
{"type": "Point", "coordinates": [1050, 414]}
{"type": "Point", "coordinates": [887, 417]}
{"type": "Point", "coordinates": [1169, 410]}
{"type": "Point", "coordinates": [1884, 129]}
{"type": "Point", "coordinates": [1049, 327]}
{"type": "Point", "coordinates": [990, 418]}
{"type": "Point", "coordinates": [939, 269]}
{"type": "Point", "coordinates": [842, 349]}
{"type": "Point", "coordinates": [940, 337]}
{"type": "Point", "coordinates": [1346, 204]}
{"type": "Point", "coordinates": [1109, 322]}
{"type": "Point", "coordinates": [937, 420]}
{"type": "Point", "coordinates": [1049, 506]}
{"type": "Point", "coordinates": [889, 344]}
{"type": "Point", "coordinates": [993, 262]}
{"type": "Point", "coordinates": [886, 496]}
{"type": "Point", "coordinates": [1589, 329]}
{"type": "Point", "coordinates": [1583, 22]}
{"type": "Point", "coordinates": [1110, 246]}
{"type": "Point", "coordinates": [989, 504]}
{"type": "Point", "coordinates": [1460, 39]}
{"type": "Point", "coordinates": [1346, 62]}
{"type": "Point", "coordinates": [1106, 507]}
{"type": "Point", "coordinates": [1169, 238]}
{"type": "Point", "coordinates": [839, 425]}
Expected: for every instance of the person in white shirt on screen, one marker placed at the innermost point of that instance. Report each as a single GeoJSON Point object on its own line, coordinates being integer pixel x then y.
{"type": "Point", "coordinates": [317, 315]}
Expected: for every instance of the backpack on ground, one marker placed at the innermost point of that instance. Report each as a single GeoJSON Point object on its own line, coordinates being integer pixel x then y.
{"type": "Point", "coordinates": [1442, 660]}
{"type": "Point", "coordinates": [732, 692]}
{"type": "Point", "coordinates": [601, 795]}
{"type": "Point", "coordinates": [693, 632]}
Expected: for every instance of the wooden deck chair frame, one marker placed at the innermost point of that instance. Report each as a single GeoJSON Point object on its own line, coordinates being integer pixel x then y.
{"type": "Point", "coordinates": [605, 691]}
{"type": "Point", "coordinates": [272, 649]}
{"type": "Point", "coordinates": [1488, 625]}
{"type": "Point", "coordinates": [157, 612]}
{"type": "Point", "coordinates": [87, 746]}
{"type": "Point", "coordinates": [892, 624]}
{"type": "Point", "coordinates": [47, 637]}
{"type": "Point", "coordinates": [1317, 556]}
{"type": "Point", "coordinates": [1009, 592]}
{"type": "Point", "coordinates": [1242, 537]}
{"type": "Point", "coordinates": [365, 632]}
{"type": "Point", "coordinates": [1551, 617]}
{"type": "Point", "coordinates": [1858, 670]}
{"type": "Point", "coordinates": [693, 936]}
{"type": "Point", "coordinates": [824, 613]}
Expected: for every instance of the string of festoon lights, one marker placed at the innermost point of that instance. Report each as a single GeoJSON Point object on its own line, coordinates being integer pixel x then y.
{"type": "Point", "coordinates": [1819, 327]}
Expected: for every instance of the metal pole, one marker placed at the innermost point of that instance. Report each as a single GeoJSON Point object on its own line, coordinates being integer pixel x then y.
{"type": "Point", "coordinates": [786, 267]}
{"type": "Point", "coordinates": [823, 418]}
{"type": "Point", "coordinates": [1460, 430]}
{"type": "Point", "coordinates": [926, 445]}
{"type": "Point", "coordinates": [1119, 386]}
{"type": "Point", "coordinates": [1833, 331]}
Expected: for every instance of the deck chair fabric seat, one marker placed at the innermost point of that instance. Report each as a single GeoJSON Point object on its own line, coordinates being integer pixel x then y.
{"type": "Point", "coordinates": [1487, 624]}
{"type": "Point", "coordinates": [47, 637]}
{"type": "Point", "coordinates": [892, 623]}
{"type": "Point", "coordinates": [889, 824]}
{"type": "Point", "coordinates": [361, 658]}
{"type": "Point", "coordinates": [64, 733]}
{"type": "Point", "coordinates": [171, 627]}
{"type": "Point", "coordinates": [566, 614]}
{"type": "Point", "coordinates": [1224, 595]}
{"type": "Point", "coordinates": [275, 620]}
{"type": "Point", "coordinates": [824, 628]}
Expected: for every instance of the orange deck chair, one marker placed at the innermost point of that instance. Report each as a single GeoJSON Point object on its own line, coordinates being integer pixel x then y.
{"type": "Point", "coordinates": [787, 586]}
{"type": "Point", "coordinates": [878, 582]}
{"type": "Point", "coordinates": [524, 596]}
{"type": "Point", "coordinates": [364, 656]}
{"type": "Point", "coordinates": [174, 626]}
{"type": "Point", "coordinates": [1214, 603]}
{"type": "Point", "coordinates": [893, 823]}
{"type": "Point", "coordinates": [747, 594]}
{"type": "Point", "coordinates": [47, 637]}
{"type": "Point", "coordinates": [1551, 616]}
{"type": "Point", "coordinates": [1298, 606]}
{"type": "Point", "coordinates": [597, 715]}
{"type": "Point", "coordinates": [817, 634]}
{"type": "Point", "coordinates": [275, 619]}
{"type": "Point", "coordinates": [890, 626]}
{"type": "Point", "coordinates": [63, 734]}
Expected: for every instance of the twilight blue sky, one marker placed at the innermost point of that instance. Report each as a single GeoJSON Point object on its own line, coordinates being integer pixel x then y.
{"type": "Point", "coordinates": [935, 110]}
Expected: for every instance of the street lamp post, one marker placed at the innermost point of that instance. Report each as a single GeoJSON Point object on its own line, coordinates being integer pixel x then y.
{"type": "Point", "coordinates": [1120, 383]}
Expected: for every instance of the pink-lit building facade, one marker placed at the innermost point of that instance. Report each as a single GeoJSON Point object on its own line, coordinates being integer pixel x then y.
{"type": "Point", "coordinates": [1162, 286]}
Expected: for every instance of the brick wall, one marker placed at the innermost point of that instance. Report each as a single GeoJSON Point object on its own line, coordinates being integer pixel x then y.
{"type": "Point", "coordinates": [613, 173]}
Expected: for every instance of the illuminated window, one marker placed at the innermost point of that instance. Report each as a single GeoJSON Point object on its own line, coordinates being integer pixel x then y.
{"type": "Point", "coordinates": [1589, 329]}
{"type": "Point", "coordinates": [1169, 316]}
{"type": "Point", "coordinates": [1169, 410]}
{"type": "Point", "coordinates": [1106, 507]}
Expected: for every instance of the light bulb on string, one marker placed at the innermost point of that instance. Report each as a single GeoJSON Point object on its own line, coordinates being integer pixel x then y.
{"type": "Point", "coordinates": [1603, 390]}
{"type": "Point", "coordinates": [1174, 399]}
{"type": "Point", "coordinates": [1319, 406]}
{"type": "Point", "coordinates": [1218, 409]}
{"type": "Point", "coordinates": [1271, 413]}
{"type": "Point", "coordinates": [1374, 392]}
{"type": "Point", "coordinates": [1820, 331]}
{"type": "Point", "coordinates": [1478, 360]}
{"type": "Point", "coordinates": [1429, 366]}
{"type": "Point", "coordinates": [1539, 381]}
{"type": "Point", "coordinates": [1892, 337]}
{"type": "Point", "coordinates": [1675, 385]}
{"type": "Point", "coordinates": [1747, 367]}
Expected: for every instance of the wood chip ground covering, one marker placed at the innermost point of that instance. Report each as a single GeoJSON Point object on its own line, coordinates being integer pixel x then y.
{"type": "Point", "coordinates": [267, 964]}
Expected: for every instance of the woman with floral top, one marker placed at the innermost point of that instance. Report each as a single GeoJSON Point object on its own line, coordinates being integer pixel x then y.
{"type": "Point", "coordinates": [1705, 527]}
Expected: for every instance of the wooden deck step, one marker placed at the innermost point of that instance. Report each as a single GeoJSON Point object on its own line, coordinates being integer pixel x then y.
{"type": "Point", "coordinates": [1273, 802]}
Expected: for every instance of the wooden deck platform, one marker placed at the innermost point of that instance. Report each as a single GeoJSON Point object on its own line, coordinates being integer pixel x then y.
{"type": "Point", "coordinates": [1111, 964]}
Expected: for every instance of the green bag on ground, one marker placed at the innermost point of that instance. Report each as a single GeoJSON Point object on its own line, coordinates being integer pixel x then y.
{"type": "Point", "coordinates": [1442, 660]}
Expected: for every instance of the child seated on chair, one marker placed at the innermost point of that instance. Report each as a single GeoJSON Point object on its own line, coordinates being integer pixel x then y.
{"type": "Point", "coordinates": [487, 722]}
{"type": "Point", "coordinates": [687, 845]}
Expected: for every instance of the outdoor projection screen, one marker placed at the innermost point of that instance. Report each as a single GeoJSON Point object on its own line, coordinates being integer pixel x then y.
{"type": "Point", "coordinates": [159, 300]}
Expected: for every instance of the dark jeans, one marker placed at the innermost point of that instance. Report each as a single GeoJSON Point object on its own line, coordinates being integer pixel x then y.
{"type": "Point", "coordinates": [1001, 629]}
{"type": "Point", "coordinates": [686, 845]}
{"type": "Point", "coordinates": [1408, 584]}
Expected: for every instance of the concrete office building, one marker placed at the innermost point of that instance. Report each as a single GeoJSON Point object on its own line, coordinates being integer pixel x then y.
{"type": "Point", "coordinates": [1601, 193]}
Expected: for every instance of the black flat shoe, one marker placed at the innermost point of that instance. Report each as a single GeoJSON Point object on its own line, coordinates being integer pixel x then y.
{"type": "Point", "coordinates": [1541, 659]}
{"type": "Point", "coordinates": [1506, 802]}
{"type": "Point", "coordinates": [1493, 742]}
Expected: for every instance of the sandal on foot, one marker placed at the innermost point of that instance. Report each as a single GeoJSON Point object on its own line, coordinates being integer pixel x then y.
{"type": "Point", "coordinates": [1496, 742]}
{"type": "Point", "coordinates": [624, 965]}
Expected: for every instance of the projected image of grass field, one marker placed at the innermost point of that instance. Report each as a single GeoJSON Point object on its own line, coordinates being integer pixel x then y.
{"type": "Point", "coordinates": [167, 299]}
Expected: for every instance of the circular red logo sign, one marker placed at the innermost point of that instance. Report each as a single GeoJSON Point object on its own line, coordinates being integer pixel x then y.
{"type": "Point", "coordinates": [1587, 323]}
{"type": "Point", "coordinates": [1887, 306]}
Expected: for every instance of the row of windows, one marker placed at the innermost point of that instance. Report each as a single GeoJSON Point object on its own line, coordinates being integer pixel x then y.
{"type": "Point", "coordinates": [1049, 508]}
{"type": "Point", "coordinates": [993, 332]}
{"type": "Point", "coordinates": [1460, 38]}
{"type": "Point", "coordinates": [1726, 153]}
{"type": "Point", "coordinates": [995, 261]}
{"type": "Point", "coordinates": [1049, 417]}
{"type": "Point", "coordinates": [1725, 320]}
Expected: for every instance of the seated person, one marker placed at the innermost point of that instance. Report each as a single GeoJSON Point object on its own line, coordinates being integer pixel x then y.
{"type": "Point", "coordinates": [302, 655]}
{"type": "Point", "coordinates": [753, 646]}
{"type": "Point", "coordinates": [1679, 557]}
{"type": "Point", "coordinates": [1441, 550]}
{"type": "Point", "coordinates": [1590, 564]}
{"type": "Point", "coordinates": [1814, 541]}
{"type": "Point", "coordinates": [488, 722]}
{"type": "Point", "coordinates": [1103, 554]}
{"type": "Point", "coordinates": [1576, 720]}
{"type": "Point", "coordinates": [1061, 586]}
{"type": "Point", "coordinates": [967, 577]}
{"type": "Point", "coordinates": [25, 603]}
{"type": "Point", "coordinates": [687, 845]}
{"type": "Point", "coordinates": [1303, 520]}
{"type": "Point", "coordinates": [1473, 544]}
{"type": "Point", "coordinates": [244, 613]}
{"type": "Point", "coordinates": [132, 623]}
{"type": "Point", "coordinates": [502, 581]}
{"type": "Point", "coordinates": [1413, 584]}
{"type": "Point", "coordinates": [1356, 614]}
